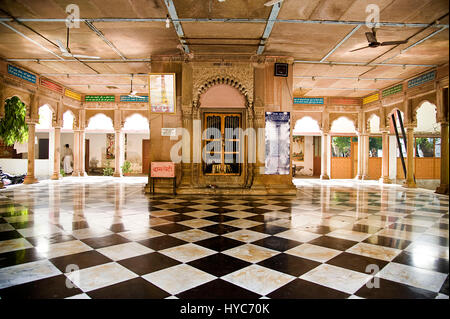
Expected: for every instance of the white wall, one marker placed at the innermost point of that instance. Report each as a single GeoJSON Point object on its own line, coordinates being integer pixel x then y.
{"type": "Point", "coordinates": [308, 156]}
{"type": "Point", "coordinates": [19, 166]}
{"type": "Point", "coordinates": [97, 149]}
{"type": "Point", "coordinates": [134, 150]}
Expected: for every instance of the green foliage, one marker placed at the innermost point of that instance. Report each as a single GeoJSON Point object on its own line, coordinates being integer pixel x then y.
{"type": "Point", "coordinates": [342, 145]}
{"type": "Point", "coordinates": [425, 145]}
{"type": "Point", "coordinates": [376, 143]}
{"type": "Point", "coordinates": [126, 167]}
{"type": "Point", "coordinates": [108, 170]}
{"type": "Point", "coordinates": [13, 127]}
{"type": "Point", "coordinates": [61, 171]}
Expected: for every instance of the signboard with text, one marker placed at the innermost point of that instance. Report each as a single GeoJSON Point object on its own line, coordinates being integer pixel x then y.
{"type": "Point", "coordinates": [162, 169]}
{"type": "Point", "coordinates": [308, 100]}
{"type": "Point", "coordinates": [99, 98]}
{"type": "Point", "coordinates": [24, 75]}
{"type": "Point", "coordinates": [51, 85]}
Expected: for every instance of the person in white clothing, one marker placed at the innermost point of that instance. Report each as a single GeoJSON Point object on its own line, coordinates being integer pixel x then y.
{"type": "Point", "coordinates": [67, 159]}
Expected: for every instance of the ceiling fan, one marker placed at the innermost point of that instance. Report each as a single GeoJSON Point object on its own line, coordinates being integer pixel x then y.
{"type": "Point", "coordinates": [133, 93]}
{"type": "Point", "coordinates": [65, 51]}
{"type": "Point", "coordinates": [373, 43]}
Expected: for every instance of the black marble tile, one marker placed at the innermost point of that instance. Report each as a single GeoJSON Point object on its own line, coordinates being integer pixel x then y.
{"type": "Point", "coordinates": [81, 260]}
{"type": "Point", "coordinates": [388, 242]}
{"type": "Point", "coordinates": [292, 265]}
{"type": "Point", "coordinates": [48, 288]}
{"type": "Point", "coordinates": [22, 256]}
{"type": "Point", "coordinates": [219, 264]}
{"type": "Point", "coordinates": [136, 288]}
{"type": "Point", "coordinates": [49, 239]}
{"type": "Point", "coordinates": [148, 263]}
{"type": "Point", "coordinates": [220, 218]}
{"type": "Point", "coordinates": [171, 228]}
{"type": "Point", "coordinates": [423, 261]}
{"type": "Point", "coordinates": [177, 218]}
{"type": "Point", "coordinates": [316, 229]}
{"type": "Point", "coordinates": [218, 289]}
{"type": "Point", "coordinates": [357, 263]}
{"type": "Point", "coordinates": [302, 289]}
{"type": "Point", "coordinates": [392, 290]}
{"type": "Point", "coordinates": [277, 243]}
{"type": "Point", "coordinates": [9, 234]}
{"type": "Point", "coordinates": [100, 242]}
{"type": "Point", "coordinates": [219, 243]}
{"type": "Point", "coordinates": [219, 229]}
{"type": "Point", "coordinates": [333, 243]}
{"type": "Point", "coordinates": [162, 242]}
{"type": "Point", "coordinates": [268, 229]}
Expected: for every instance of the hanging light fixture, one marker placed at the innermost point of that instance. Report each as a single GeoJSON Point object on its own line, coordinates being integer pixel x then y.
{"type": "Point", "coordinates": [167, 22]}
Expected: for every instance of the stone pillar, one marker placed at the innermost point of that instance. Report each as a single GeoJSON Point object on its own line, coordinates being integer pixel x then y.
{"type": "Point", "coordinates": [117, 147]}
{"type": "Point", "coordinates": [30, 179]}
{"type": "Point", "coordinates": [385, 160]}
{"type": "Point", "coordinates": [443, 188]}
{"type": "Point", "coordinates": [325, 152]}
{"type": "Point", "coordinates": [365, 157]}
{"type": "Point", "coordinates": [76, 153]}
{"type": "Point", "coordinates": [81, 143]}
{"type": "Point", "coordinates": [410, 157]}
{"type": "Point", "coordinates": [360, 157]}
{"type": "Point", "coordinates": [57, 156]}
{"type": "Point", "coordinates": [392, 157]}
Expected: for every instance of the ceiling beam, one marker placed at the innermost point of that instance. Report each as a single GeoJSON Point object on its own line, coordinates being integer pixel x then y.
{"type": "Point", "coordinates": [80, 60]}
{"type": "Point", "coordinates": [269, 25]}
{"type": "Point", "coordinates": [365, 64]}
{"type": "Point", "coordinates": [315, 77]}
{"type": "Point", "coordinates": [329, 22]}
{"type": "Point", "coordinates": [102, 36]}
{"type": "Point", "coordinates": [31, 40]}
{"type": "Point", "coordinates": [330, 88]}
{"type": "Point", "coordinates": [341, 42]}
{"type": "Point", "coordinates": [176, 23]}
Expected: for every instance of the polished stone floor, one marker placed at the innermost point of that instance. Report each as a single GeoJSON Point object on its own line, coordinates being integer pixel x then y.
{"type": "Point", "coordinates": [102, 237]}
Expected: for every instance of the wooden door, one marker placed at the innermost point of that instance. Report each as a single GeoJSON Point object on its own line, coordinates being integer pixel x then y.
{"type": "Point", "coordinates": [43, 148]}
{"type": "Point", "coordinates": [317, 162]}
{"type": "Point", "coordinates": [86, 155]}
{"type": "Point", "coordinates": [145, 156]}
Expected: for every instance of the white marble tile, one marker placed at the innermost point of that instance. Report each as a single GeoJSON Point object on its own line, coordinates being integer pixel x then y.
{"type": "Point", "coordinates": [124, 251]}
{"type": "Point", "coordinates": [246, 235]}
{"type": "Point", "coordinates": [338, 278]}
{"type": "Point", "coordinates": [417, 277]}
{"type": "Point", "coordinates": [6, 227]}
{"type": "Point", "coordinates": [14, 244]}
{"type": "Point", "coordinates": [23, 273]}
{"type": "Point", "coordinates": [313, 252]}
{"type": "Point", "coordinates": [193, 235]}
{"type": "Point", "coordinates": [178, 278]}
{"type": "Point", "coordinates": [188, 252]}
{"type": "Point", "coordinates": [100, 276]}
{"type": "Point", "coordinates": [374, 251]}
{"type": "Point", "coordinates": [298, 235]}
{"type": "Point", "coordinates": [141, 234]}
{"type": "Point", "coordinates": [90, 233]}
{"type": "Point", "coordinates": [197, 223]}
{"type": "Point", "coordinates": [62, 249]}
{"type": "Point", "coordinates": [258, 279]}
{"type": "Point", "coordinates": [39, 230]}
{"type": "Point", "coordinates": [251, 253]}
{"type": "Point", "coordinates": [349, 234]}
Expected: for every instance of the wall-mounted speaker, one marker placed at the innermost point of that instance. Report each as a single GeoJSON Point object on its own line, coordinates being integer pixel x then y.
{"type": "Point", "coordinates": [281, 69]}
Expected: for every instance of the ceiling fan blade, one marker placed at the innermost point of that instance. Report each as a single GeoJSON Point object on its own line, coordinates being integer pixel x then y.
{"type": "Point", "coordinates": [272, 2]}
{"type": "Point", "coordinates": [393, 42]}
{"type": "Point", "coordinates": [85, 56]}
{"type": "Point", "coordinates": [359, 49]}
{"type": "Point", "coordinates": [371, 37]}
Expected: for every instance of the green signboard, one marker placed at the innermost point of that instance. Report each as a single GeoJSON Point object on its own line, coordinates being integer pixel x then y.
{"type": "Point", "coordinates": [99, 98]}
{"type": "Point", "coordinates": [392, 90]}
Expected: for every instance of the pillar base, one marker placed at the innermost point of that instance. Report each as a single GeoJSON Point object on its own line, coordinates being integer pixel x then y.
{"type": "Point", "coordinates": [364, 177]}
{"type": "Point", "coordinates": [385, 180]}
{"type": "Point", "coordinates": [443, 189]}
{"type": "Point", "coordinates": [75, 174]}
{"type": "Point", "coordinates": [358, 177]}
{"type": "Point", "coordinates": [56, 176]}
{"type": "Point", "coordinates": [324, 176]}
{"type": "Point", "coordinates": [117, 175]}
{"type": "Point", "coordinates": [410, 184]}
{"type": "Point", "coordinates": [30, 180]}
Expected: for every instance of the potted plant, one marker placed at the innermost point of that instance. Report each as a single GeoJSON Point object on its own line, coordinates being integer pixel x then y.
{"type": "Point", "coordinates": [126, 168]}
{"type": "Point", "coordinates": [108, 171]}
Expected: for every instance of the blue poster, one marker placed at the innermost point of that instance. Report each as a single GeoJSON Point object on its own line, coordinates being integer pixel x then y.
{"type": "Point", "coordinates": [278, 131]}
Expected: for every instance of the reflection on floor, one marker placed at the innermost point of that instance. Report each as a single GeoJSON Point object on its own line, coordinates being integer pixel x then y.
{"type": "Point", "coordinates": [102, 237]}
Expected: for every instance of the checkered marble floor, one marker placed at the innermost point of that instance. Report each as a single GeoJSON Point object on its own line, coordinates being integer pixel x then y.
{"type": "Point", "coordinates": [102, 237]}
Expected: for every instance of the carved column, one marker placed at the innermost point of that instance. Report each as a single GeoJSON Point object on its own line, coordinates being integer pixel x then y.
{"type": "Point", "coordinates": [444, 186]}
{"type": "Point", "coordinates": [365, 156]}
{"type": "Point", "coordinates": [410, 157]}
{"type": "Point", "coordinates": [360, 156]}
{"type": "Point", "coordinates": [76, 152]}
{"type": "Point", "coordinates": [385, 159]}
{"type": "Point", "coordinates": [325, 155]}
{"type": "Point", "coordinates": [30, 178]}
{"type": "Point", "coordinates": [57, 156]}
{"type": "Point", "coordinates": [117, 150]}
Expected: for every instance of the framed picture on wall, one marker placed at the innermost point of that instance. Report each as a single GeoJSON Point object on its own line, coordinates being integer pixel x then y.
{"type": "Point", "coordinates": [161, 97]}
{"type": "Point", "coordinates": [110, 141]}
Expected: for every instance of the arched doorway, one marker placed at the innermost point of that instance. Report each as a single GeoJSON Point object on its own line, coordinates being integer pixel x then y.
{"type": "Point", "coordinates": [101, 140]}
{"type": "Point", "coordinates": [375, 148]}
{"type": "Point", "coordinates": [306, 148]}
{"type": "Point", "coordinates": [344, 149]}
{"type": "Point", "coordinates": [136, 142]}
